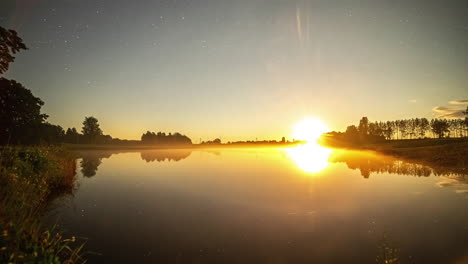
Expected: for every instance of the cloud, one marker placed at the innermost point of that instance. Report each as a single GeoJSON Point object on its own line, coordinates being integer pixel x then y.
{"type": "Point", "coordinates": [451, 112]}
{"type": "Point", "coordinates": [412, 101]}
{"type": "Point", "coordinates": [459, 102]}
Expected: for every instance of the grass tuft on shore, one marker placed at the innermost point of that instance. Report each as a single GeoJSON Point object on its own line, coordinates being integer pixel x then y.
{"type": "Point", "coordinates": [30, 177]}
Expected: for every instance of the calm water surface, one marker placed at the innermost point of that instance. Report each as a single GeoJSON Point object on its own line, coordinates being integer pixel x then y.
{"type": "Point", "coordinates": [264, 206]}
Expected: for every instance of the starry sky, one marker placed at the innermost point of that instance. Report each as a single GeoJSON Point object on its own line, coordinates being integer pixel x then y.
{"type": "Point", "coordinates": [241, 69]}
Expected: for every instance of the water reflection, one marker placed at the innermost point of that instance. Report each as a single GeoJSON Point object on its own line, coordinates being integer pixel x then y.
{"type": "Point", "coordinates": [369, 163]}
{"type": "Point", "coordinates": [92, 159]}
{"type": "Point", "coordinates": [313, 158]}
{"type": "Point", "coordinates": [310, 157]}
{"type": "Point", "coordinates": [164, 155]}
{"type": "Point", "coordinates": [251, 206]}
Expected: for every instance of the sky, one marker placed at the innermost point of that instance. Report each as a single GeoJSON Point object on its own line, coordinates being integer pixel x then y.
{"type": "Point", "coordinates": [240, 70]}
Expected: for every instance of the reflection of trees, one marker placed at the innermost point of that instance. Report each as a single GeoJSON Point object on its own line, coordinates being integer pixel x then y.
{"type": "Point", "coordinates": [164, 155]}
{"type": "Point", "coordinates": [369, 163]}
{"type": "Point", "coordinates": [89, 166]}
{"type": "Point", "coordinates": [90, 161]}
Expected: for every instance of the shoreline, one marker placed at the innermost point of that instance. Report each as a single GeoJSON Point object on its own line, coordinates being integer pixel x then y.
{"type": "Point", "coordinates": [162, 147]}
{"type": "Point", "coordinates": [449, 154]}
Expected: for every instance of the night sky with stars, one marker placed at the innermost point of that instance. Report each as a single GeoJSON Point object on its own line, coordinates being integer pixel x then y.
{"type": "Point", "coordinates": [240, 69]}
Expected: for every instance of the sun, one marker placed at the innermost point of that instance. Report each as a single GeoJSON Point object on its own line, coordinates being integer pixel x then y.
{"type": "Point", "coordinates": [309, 129]}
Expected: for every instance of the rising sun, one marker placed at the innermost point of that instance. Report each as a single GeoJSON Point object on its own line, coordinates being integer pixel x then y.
{"type": "Point", "coordinates": [309, 129]}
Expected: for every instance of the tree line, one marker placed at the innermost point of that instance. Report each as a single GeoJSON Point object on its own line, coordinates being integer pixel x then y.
{"type": "Point", "coordinates": [22, 122]}
{"type": "Point", "coordinates": [163, 139]}
{"type": "Point", "coordinates": [414, 128]}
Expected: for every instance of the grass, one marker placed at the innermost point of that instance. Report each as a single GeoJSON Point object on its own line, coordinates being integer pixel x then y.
{"type": "Point", "coordinates": [30, 178]}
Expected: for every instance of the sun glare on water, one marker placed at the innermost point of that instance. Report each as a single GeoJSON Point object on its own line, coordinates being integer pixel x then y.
{"type": "Point", "coordinates": [310, 157]}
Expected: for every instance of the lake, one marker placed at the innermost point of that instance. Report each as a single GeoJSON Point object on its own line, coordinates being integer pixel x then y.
{"type": "Point", "coordinates": [264, 205]}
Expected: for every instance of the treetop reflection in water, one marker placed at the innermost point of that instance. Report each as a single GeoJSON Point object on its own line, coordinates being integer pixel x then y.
{"type": "Point", "coordinates": [91, 159]}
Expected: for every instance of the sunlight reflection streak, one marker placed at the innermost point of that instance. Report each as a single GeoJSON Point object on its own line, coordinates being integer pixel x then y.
{"type": "Point", "coordinates": [310, 157]}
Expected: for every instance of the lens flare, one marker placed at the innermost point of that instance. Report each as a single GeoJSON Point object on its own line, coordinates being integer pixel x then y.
{"type": "Point", "coordinates": [309, 129]}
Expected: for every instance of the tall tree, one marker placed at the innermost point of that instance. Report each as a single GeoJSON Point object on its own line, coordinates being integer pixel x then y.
{"type": "Point", "coordinates": [363, 126]}
{"type": "Point", "coordinates": [440, 127]}
{"type": "Point", "coordinates": [91, 129]}
{"type": "Point", "coordinates": [10, 44]}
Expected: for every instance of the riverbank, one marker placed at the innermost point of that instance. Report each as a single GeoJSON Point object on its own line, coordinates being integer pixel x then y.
{"type": "Point", "coordinates": [31, 177]}
{"type": "Point", "coordinates": [179, 146]}
{"type": "Point", "coordinates": [448, 153]}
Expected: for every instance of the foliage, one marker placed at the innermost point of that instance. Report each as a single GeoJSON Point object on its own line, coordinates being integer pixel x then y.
{"type": "Point", "coordinates": [20, 113]}
{"type": "Point", "coordinates": [440, 127]}
{"type": "Point", "coordinates": [91, 130]}
{"type": "Point", "coordinates": [162, 138]}
{"type": "Point", "coordinates": [30, 177]}
{"type": "Point", "coordinates": [10, 44]}
{"type": "Point", "coordinates": [91, 127]}
{"type": "Point", "coordinates": [414, 128]}
{"type": "Point", "coordinates": [21, 120]}
{"type": "Point", "coordinates": [215, 141]}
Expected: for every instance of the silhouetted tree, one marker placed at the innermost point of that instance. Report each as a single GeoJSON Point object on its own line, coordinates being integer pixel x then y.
{"type": "Point", "coordinates": [423, 127]}
{"type": "Point", "coordinates": [363, 126]}
{"type": "Point", "coordinates": [440, 127]}
{"type": "Point", "coordinates": [91, 130]}
{"type": "Point", "coordinates": [50, 134]}
{"type": "Point", "coordinates": [10, 44]}
{"type": "Point", "coordinates": [162, 138]}
{"type": "Point", "coordinates": [72, 136]}
{"type": "Point", "coordinates": [217, 141]}
{"type": "Point", "coordinates": [20, 113]}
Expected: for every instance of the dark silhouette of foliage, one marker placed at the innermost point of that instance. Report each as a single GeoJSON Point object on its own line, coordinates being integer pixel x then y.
{"type": "Point", "coordinates": [440, 127]}
{"type": "Point", "coordinates": [91, 130]}
{"type": "Point", "coordinates": [51, 134]}
{"type": "Point", "coordinates": [91, 127]}
{"type": "Point", "coordinates": [414, 128]}
{"type": "Point", "coordinates": [363, 126]}
{"type": "Point", "coordinates": [162, 139]}
{"type": "Point", "coordinates": [21, 120]}
{"type": "Point", "coordinates": [10, 44]}
{"type": "Point", "coordinates": [72, 136]}
{"type": "Point", "coordinates": [215, 141]}
{"type": "Point", "coordinates": [20, 113]}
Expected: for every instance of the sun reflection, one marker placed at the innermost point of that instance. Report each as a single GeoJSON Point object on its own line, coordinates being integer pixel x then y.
{"type": "Point", "coordinates": [310, 157]}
